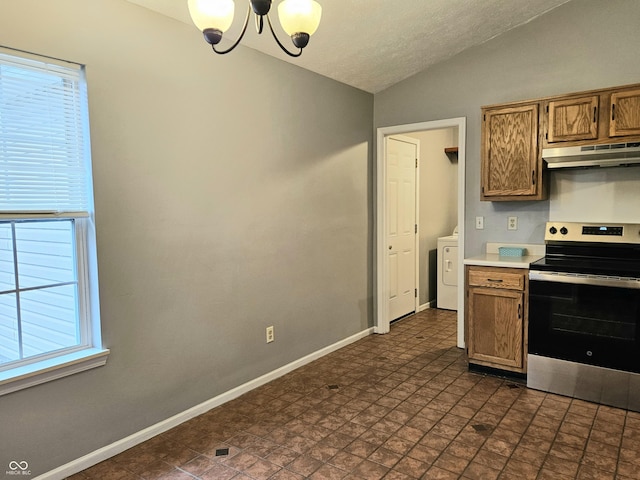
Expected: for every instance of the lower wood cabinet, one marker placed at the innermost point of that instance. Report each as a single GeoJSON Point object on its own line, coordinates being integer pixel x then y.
{"type": "Point", "coordinates": [496, 317]}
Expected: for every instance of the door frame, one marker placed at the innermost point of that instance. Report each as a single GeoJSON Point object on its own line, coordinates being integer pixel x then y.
{"type": "Point", "coordinates": [381, 300]}
{"type": "Point", "coordinates": [416, 237]}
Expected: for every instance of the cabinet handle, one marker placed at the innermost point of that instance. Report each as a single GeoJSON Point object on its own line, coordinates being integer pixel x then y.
{"type": "Point", "coordinates": [595, 110]}
{"type": "Point", "coordinates": [533, 177]}
{"type": "Point", "coordinates": [494, 280]}
{"type": "Point", "coordinates": [613, 111]}
{"type": "Point", "coordinates": [519, 311]}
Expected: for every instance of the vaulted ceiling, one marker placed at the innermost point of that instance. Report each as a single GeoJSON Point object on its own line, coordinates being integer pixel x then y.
{"type": "Point", "coordinates": [373, 44]}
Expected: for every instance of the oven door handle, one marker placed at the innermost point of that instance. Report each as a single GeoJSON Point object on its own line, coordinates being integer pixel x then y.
{"type": "Point", "coordinates": [583, 279]}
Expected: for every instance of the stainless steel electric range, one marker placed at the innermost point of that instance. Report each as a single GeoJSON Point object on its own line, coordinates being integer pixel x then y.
{"type": "Point", "coordinates": [584, 313]}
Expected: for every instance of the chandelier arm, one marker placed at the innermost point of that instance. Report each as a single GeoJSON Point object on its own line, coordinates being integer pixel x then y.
{"type": "Point", "coordinates": [244, 29]}
{"type": "Point", "coordinates": [259, 24]}
{"type": "Point", "coordinates": [284, 49]}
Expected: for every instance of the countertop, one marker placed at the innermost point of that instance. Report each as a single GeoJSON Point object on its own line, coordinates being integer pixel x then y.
{"type": "Point", "coordinates": [492, 259]}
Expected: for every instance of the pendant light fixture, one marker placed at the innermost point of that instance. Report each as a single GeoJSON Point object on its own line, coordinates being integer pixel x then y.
{"type": "Point", "coordinates": [299, 19]}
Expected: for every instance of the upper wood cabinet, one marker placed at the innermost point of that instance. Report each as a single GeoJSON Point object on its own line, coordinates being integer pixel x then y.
{"type": "Point", "coordinates": [597, 117]}
{"type": "Point", "coordinates": [510, 166]}
{"type": "Point", "coordinates": [572, 119]}
{"type": "Point", "coordinates": [625, 113]}
{"type": "Point", "coordinates": [514, 135]}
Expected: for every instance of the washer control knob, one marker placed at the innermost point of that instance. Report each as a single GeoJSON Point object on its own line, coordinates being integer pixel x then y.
{"type": "Point", "coordinates": [564, 230]}
{"type": "Point", "coordinates": [553, 230]}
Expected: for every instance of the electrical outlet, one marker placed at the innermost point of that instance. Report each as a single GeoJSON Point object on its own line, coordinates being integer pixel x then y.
{"type": "Point", "coordinates": [479, 223]}
{"type": "Point", "coordinates": [270, 334]}
{"type": "Point", "coordinates": [512, 224]}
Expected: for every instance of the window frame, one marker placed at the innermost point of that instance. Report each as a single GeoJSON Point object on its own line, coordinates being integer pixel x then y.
{"type": "Point", "coordinates": [89, 353]}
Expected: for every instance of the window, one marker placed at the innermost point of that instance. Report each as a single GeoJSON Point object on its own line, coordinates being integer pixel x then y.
{"type": "Point", "coordinates": [49, 316]}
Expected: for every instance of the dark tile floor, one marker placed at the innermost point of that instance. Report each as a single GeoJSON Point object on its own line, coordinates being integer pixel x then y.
{"type": "Point", "coordinates": [396, 407]}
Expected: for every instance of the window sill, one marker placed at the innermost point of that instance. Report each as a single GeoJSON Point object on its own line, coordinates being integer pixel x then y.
{"type": "Point", "coordinates": [51, 369]}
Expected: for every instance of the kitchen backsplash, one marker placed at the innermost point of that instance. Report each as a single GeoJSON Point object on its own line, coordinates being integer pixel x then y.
{"type": "Point", "coordinates": [594, 195]}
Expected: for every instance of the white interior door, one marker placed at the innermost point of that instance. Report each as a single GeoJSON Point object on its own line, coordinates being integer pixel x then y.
{"type": "Point", "coordinates": [401, 163]}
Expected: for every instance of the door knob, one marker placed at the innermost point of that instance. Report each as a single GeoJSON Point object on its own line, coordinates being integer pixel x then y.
{"type": "Point", "coordinates": [390, 247]}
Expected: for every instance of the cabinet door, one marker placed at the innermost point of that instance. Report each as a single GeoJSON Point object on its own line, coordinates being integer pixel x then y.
{"type": "Point", "coordinates": [496, 326]}
{"type": "Point", "coordinates": [573, 119]}
{"type": "Point", "coordinates": [510, 167]}
{"type": "Point", "coordinates": [625, 113]}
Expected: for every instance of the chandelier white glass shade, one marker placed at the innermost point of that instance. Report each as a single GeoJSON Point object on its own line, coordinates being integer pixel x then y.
{"type": "Point", "coordinates": [299, 19]}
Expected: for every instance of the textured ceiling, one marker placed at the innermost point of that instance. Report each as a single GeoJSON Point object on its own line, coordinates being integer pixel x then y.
{"type": "Point", "coordinates": [373, 44]}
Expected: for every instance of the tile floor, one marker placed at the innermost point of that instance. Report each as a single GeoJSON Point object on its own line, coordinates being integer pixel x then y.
{"type": "Point", "coordinates": [400, 406]}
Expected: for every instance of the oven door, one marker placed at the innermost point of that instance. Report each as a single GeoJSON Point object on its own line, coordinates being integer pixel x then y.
{"type": "Point", "coordinates": [585, 319]}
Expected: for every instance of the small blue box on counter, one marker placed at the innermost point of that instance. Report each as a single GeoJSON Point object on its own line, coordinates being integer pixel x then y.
{"type": "Point", "coordinates": [511, 251]}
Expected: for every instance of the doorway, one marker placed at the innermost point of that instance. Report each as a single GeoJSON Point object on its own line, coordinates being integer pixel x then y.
{"type": "Point", "coordinates": [381, 316]}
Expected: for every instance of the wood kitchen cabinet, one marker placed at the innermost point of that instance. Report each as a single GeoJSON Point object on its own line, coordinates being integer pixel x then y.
{"type": "Point", "coordinates": [625, 113]}
{"type": "Point", "coordinates": [496, 317]}
{"type": "Point", "coordinates": [572, 119]}
{"type": "Point", "coordinates": [511, 163]}
{"type": "Point", "coordinates": [514, 134]}
{"type": "Point", "coordinates": [598, 117]}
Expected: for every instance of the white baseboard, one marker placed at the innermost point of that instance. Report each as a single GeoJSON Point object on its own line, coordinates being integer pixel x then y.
{"type": "Point", "coordinates": [120, 446]}
{"type": "Point", "coordinates": [425, 306]}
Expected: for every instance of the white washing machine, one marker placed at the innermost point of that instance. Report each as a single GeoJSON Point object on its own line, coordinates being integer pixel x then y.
{"type": "Point", "coordinates": [447, 288]}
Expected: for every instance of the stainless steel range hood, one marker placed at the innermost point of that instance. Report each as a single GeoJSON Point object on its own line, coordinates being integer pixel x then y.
{"type": "Point", "coordinates": [611, 155]}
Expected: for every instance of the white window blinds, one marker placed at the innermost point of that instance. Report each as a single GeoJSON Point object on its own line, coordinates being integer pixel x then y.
{"type": "Point", "coordinates": [44, 155]}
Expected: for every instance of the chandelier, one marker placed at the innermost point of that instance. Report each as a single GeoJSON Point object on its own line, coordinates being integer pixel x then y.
{"type": "Point", "coordinates": [299, 19]}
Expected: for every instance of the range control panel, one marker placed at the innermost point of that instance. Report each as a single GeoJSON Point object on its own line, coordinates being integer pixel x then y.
{"type": "Point", "coordinates": [602, 230]}
{"type": "Point", "coordinates": [593, 232]}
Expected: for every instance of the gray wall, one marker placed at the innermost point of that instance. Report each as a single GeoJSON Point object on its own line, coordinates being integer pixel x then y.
{"type": "Point", "coordinates": [231, 193]}
{"type": "Point", "coordinates": [582, 45]}
{"type": "Point", "coordinates": [438, 197]}
{"type": "Point", "coordinates": [234, 193]}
